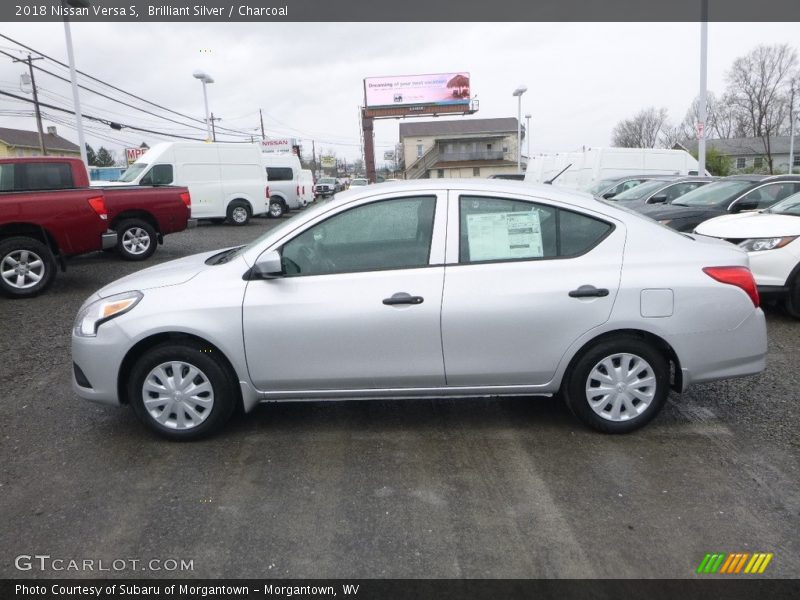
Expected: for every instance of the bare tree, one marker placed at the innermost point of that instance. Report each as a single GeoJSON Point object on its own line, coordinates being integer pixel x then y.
{"type": "Point", "coordinates": [758, 87]}
{"type": "Point", "coordinates": [642, 130]}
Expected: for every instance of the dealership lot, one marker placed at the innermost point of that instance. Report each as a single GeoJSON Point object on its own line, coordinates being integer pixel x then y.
{"type": "Point", "coordinates": [444, 488]}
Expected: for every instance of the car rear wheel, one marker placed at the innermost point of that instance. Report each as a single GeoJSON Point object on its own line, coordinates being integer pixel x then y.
{"type": "Point", "coordinates": [618, 385]}
{"type": "Point", "coordinates": [792, 302]}
{"type": "Point", "coordinates": [136, 239]}
{"type": "Point", "coordinates": [27, 267]}
{"type": "Point", "coordinates": [182, 391]}
{"type": "Point", "coordinates": [276, 207]}
{"type": "Point", "coordinates": [239, 213]}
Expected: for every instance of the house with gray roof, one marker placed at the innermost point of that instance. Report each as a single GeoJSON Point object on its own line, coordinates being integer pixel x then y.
{"type": "Point", "coordinates": [19, 142]}
{"type": "Point", "coordinates": [463, 147]}
{"type": "Point", "coordinates": [749, 155]}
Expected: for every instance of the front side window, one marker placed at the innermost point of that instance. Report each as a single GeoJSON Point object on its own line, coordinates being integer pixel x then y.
{"type": "Point", "coordinates": [768, 195]}
{"type": "Point", "coordinates": [388, 234]}
{"type": "Point", "coordinates": [495, 229]}
{"type": "Point", "coordinates": [158, 175]}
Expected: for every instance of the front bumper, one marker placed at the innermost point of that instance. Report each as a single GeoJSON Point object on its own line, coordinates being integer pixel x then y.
{"type": "Point", "coordinates": [97, 361]}
{"type": "Point", "coordinates": [108, 239]}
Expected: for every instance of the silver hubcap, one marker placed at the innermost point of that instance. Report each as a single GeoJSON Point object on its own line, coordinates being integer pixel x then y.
{"type": "Point", "coordinates": [135, 240]}
{"type": "Point", "coordinates": [177, 395]}
{"type": "Point", "coordinates": [275, 209]}
{"type": "Point", "coordinates": [22, 269]}
{"type": "Point", "coordinates": [621, 387]}
{"type": "Point", "coordinates": [239, 214]}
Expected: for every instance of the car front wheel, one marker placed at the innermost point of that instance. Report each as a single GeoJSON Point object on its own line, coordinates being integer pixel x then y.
{"type": "Point", "coordinates": [618, 385]}
{"type": "Point", "coordinates": [27, 267]}
{"type": "Point", "coordinates": [276, 207]}
{"type": "Point", "coordinates": [182, 391]}
{"type": "Point", "coordinates": [239, 213]}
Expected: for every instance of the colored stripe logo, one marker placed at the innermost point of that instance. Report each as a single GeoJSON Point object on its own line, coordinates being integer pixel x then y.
{"type": "Point", "coordinates": [734, 563]}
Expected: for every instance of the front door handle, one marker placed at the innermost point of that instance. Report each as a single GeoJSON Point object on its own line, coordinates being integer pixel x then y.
{"type": "Point", "coordinates": [403, 298]}
{"type": "Point", "coordinates": [588, 291]}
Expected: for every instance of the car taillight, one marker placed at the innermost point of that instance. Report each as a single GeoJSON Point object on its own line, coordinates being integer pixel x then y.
{"type": "Point", "coordinates": [741, 277]}
{"type": "Point", "coordinates": [267, 191]}
{"type": "Point", "coordinates": [298, 190]}
{"type": "Point", "coordinates": [98, 205]}
{"type": "Point", "coordinates": [187, 199]}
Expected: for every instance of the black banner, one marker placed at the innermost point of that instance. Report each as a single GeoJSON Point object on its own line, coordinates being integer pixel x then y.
{"type": "Point", "coordinates": [401, 589]}
{"type": "Point", "coordinates": [398, 10]}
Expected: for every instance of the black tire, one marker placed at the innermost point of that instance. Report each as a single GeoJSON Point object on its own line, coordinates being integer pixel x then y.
{"type": "Point", "coordinates": [217, 221]}
{"type": "Point", "coordinates": [792, 302]}
{"type": "Point", "coordinates": [239, 213]}
{"type": "Point", "coordinates": [212, 368]}
{"type": "Point", "coordinates": [29, 258]}
{"type": "Point", "coordinates": [277, 207]}
{"type": "Point", "coordinates": [579, 377]}
{"type": "Point", "coordinates": [136, 239]}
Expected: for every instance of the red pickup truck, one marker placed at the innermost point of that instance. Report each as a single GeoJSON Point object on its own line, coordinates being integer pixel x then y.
{"type": "Point", "coordinates": [48, 212]}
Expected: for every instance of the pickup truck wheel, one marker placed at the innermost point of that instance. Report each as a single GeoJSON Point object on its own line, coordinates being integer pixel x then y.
{"type": "Point", "coordinates": [136, 239]}
{"type": "Point", "coordinates": [27, 267]}
{"type": "Point", "coordinates": [239, 213]}
{"type": "Point", "coordinates": [276, 207]}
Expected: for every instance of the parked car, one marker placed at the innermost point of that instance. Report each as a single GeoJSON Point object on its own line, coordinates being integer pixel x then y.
{"type": "Point", "coordinates": [48, 212]}
{"type": "Point", "coordinates": [359, 182]}
{"type": "Point", "coordinates": [608, 188]}
{"type": "Point", "coordinates": [377, 291]}
{"type": "Point", "coordinates": [326, 186]}
{"type": "Point", "coordinates": [659, 191]}
{"type": "Point", "coordinates": [729, 195]}
{"type": "Point", "coordinates": [283, 175]}
{"type": "Point", "coordinates": [226, 181]}
{"type": "Point", "coordinates": [771, 238]}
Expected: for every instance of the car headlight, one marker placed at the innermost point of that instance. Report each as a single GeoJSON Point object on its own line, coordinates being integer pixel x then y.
{"type": "Point", "coordinates": [759, 244]}
{"type": "Point", "coordinates": [98, 312]}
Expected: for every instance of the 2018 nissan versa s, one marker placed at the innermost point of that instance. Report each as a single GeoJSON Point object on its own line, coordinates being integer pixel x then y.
{"type": "Point", "coordinates": [427, 289]}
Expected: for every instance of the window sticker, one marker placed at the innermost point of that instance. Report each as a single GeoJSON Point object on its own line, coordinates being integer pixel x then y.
{"type": "Point", "coordinates": [502, 236]}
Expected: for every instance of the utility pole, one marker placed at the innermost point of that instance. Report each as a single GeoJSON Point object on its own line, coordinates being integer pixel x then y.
{"type": "Point", "coordinates": [701, 125]}
{"type": "Point", "coordinates": [261, 118]}
{"type": "Point", "coordinates": [314, 157]}
{"type": "Point", "coordinates": [792, 119]}
{"type": "Point", "coordinates": [29, 61]}
{"type": "Point", "coordinates": [213, 129]}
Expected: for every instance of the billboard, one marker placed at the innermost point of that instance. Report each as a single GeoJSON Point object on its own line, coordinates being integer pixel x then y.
{"type": "Point", "coordinates": [278, 144]}
{"type": "Point", "coordinates": [439, 89]}
{"type": "Point", "coordinates": [327, 162]}
{"type": "Point", "coordinates": [133, 154]}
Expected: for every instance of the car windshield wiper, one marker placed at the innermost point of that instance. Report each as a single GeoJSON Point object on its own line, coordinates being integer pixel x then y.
{"type": "Point", "coordinates": [678, 204]}
{"type": "Point", "coordinates": [223, 257]}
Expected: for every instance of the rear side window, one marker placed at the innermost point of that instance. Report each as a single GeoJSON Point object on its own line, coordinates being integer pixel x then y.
{"type": "Point", "coordinates": [280, 174]}
{"type": "Point", "coordinates": [495, 229]}
{"type": "Point", "coordinates": [7, 177]}
{"type": "Point", "coordinates": [44, 176]}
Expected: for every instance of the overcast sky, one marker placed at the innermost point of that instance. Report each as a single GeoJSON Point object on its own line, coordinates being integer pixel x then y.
{"type": "Point", "coordinates": [582, 78]}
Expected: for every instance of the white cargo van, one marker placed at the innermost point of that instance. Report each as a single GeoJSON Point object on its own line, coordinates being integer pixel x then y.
{"type": "Point", "coordinates": [306, 184]}
{"type": "Point", "coordinates": [595, 164]}
{"type": "Point", "coordinates": [226, 181]}
{"type": "Point", "coordinates": [283, 173]}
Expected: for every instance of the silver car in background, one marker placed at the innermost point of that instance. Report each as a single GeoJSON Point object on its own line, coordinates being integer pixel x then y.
{"type": "Point", "coordinates": [427, 288]}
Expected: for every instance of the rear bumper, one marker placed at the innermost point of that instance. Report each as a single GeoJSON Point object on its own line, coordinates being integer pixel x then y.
{"type": "Point", "coordinates": [108, 239]}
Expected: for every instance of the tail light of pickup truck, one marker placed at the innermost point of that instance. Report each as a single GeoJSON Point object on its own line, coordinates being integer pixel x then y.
{"type": "Point", "coordinates": [187, 199]}
{"type": "Point", "coordinates": [267, 192]}
{"type": "Point", "coordinates": [98, 205]}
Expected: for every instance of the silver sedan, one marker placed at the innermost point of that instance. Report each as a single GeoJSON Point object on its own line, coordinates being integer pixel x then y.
{"type": "Point", "coordinates": [427, 289]}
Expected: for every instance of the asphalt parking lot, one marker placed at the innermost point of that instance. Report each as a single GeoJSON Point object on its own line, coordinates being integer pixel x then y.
{"type": "Point", "coordinates": [511, 488]}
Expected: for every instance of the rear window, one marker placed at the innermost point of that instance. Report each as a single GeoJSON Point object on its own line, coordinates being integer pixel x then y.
{"type": "Point", "coordinates": [280, 174]}
{"type": "Point", "coordinates": [37, 176]}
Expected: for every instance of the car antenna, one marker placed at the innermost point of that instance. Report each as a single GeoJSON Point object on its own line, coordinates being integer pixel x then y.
{"type": "Point", "coordinates": [550, 181]}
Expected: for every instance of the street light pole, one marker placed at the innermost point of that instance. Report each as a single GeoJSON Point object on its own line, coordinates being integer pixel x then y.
{"type": "Point", "coordinates": [792, 119]}
{"type": "Point", "coordinates": [518, 93]}
{"type": "Point", "coordinates": [74, 77]}
{"type": "Point", "coordinates": [528, 133]}
{"type": "Point", "coordinates": [205, 78]}
{"type": "Point", "coordinates": [702, 109]}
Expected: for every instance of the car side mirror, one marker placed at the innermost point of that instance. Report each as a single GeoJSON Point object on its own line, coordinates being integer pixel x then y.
{"type": "Point", "coordinates": [660, 199]}
{"type": "Point", "coordinates": [269, 265]}
{"type": "Point", "coordinates": [609, 195]}
{"type": "Point", "coordinates": [744, 205]}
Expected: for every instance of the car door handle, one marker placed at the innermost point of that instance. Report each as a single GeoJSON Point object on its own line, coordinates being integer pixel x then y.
{"type": "Point", "coordinates": [588, 291]}
{"type": "Point", "coordinates": [403, 298]}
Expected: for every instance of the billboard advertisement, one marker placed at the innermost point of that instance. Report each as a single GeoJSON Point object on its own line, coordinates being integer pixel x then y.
{"type": "Point", "coordinates": [328, 162]}
{"type": "Point", "coordinates": [133, 154]}
{"type": "Point", "coordinates": [278, 144]}
{"type": "Point", "coordinates": [440, 89]}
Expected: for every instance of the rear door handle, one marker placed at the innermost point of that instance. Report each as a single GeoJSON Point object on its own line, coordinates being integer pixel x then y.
{"type": "Point", "coordinates": [588, 291]}
{"type": "Point", "coordinates": [403, 298]}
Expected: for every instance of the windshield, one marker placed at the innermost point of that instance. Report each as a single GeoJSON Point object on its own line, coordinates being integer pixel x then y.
{"type": "Point", "coordinates": [787, 206]}
{"type": "Point", "coordinates": [714, 194]}
{"type": "Point", "coordinates": [358, 182]}
{"type": "Point", "coordinates": [601, 186]}
{"type": "Point", "coordinates": [640, 191]}
{"type": "Point", "coordinates": [327, 180]}
{"type": "Point", "coordinates": [284, 227]}
{"type": "Point", "coordinates": [132, 172]}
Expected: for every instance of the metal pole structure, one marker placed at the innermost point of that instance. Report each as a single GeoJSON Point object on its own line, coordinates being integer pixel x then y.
{"type": "Point", "coordinates": [367, 126]}
{"type": "Point", "coordinates": [701, 125]}
{"type": "Point", "coordinates": [519, 133]}
{"type": "Point", "coordinates": [528, 133]}
{"type": "Point", "coordinates": [314, 158]}
{"type": "Point", "coordinates": [75, 99]}
{"type": "Point", "coordinates": [208, 120]}
{"type": "Point", "coordinates": [261, 118]}
{"type": "Point", "coordinates": [791, 129]}
{"type": "Point", "coordinates": [213, 129]}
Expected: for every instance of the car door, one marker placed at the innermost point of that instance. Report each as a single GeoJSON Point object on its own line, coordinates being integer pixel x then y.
{"type": "Point", "coordinates": [359, 305]}
{"type": "Point", "coordinates": [524, 279]}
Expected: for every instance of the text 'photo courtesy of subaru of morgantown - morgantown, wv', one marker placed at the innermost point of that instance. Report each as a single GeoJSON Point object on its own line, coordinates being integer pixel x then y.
{"type": "Point", "coordinates": [500, 288]}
